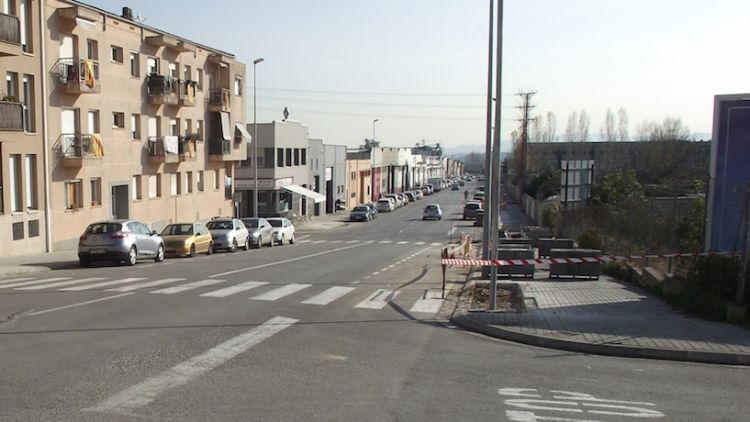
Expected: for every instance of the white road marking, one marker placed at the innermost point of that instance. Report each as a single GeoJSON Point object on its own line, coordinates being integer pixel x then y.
{"type": "Point", "coordinates": [392, 265]}
{"type": "Point", "coordinates": [384, 270]}
{"type": "Point", "coordinates": [376, 273]}
{"type": "Point", "coordinates": [385, 242]}
{"type": "Point", "coordinates": [429, 303]}
{"type": "Point", "coordinates": [435, 244]}
{"type": "Point", "coordinates": [419, 243]}
{"type": "Point", "coordinates": [303, 241]}
{"type": "Point", "coordinates": [75, 305]}
{"type": "Point", "coordinates": [409, 225]}
{"type": "Point", "coordinates": [366, 277]}
{"type": "Point", "coordinates": [403, 242]}
{"type": "Point", "coordinates": [329, 295]}
{"type": "Point", "coordinates": [147, 391]}
{"type": "Point", "coordinates": [319, 241]}
{"type": "Point", "coordinates": [242, 287]}
{"type": "Point", "coordinates": [303, 237]}
{"type": "Point", "coordinates": [31, 283]}
{"type": "Point", "coordinates": [11, 280]}
{"type": "Point", "coordinates": [335, 241]}
{"type": "Point", "coordinates": [355, 282]}
{"type": "Point", "coordinates": [351, 241]}
{"type": "Point", "coordinates": [280, 292]}
{"type": "Point", "coordinates": [187, 286]}
{"type": "Point", "coordinates": [102, 284]}
{"type": "Point", "coordinates": [131, 287]}
{"type": "Point", "coordinates": [285, 261]}
{"type": "Point", "coordinates": [62, 283]}
{"type": "Point", "coordinates": [378, 299]}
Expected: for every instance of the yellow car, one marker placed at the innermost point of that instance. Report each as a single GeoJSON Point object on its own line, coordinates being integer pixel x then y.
{"type": "Point", "coordinates": [187, 239]}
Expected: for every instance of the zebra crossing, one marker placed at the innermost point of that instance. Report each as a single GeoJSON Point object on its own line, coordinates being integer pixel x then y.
{"type": "Point", "coordinates": [428, 301]}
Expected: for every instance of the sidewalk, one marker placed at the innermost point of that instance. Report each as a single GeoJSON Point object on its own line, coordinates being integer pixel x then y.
{"type": "Point", "coordinates": [323, 222]}
{"type": "Point", "coordinates": [602, 316]}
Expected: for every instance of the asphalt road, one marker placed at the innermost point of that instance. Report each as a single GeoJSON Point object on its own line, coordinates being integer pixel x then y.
{"type": "Point", "coordinates": [340, 326]}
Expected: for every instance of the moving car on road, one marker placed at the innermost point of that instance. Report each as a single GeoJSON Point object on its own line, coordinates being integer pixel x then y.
{"type": "Point", "coordinates": [229, 234]}
{"type": "Point", "coordinates": [283, 230]}
{"type": "Point", "coordinates": [187, 239]}
{"type": "Point", "coordinates": [261, 231]}
{"type": "Point", "coordinates": [361, 213]}
{"type": "Point", "coordinates": [119, 241]}
{"type": "Point", "coordinates": [432, 212]}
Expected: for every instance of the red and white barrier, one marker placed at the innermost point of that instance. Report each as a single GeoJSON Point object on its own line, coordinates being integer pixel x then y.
{"type": "Point", "coordinates": [601, 258]}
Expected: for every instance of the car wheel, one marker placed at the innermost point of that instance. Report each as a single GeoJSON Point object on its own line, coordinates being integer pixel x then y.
{"type": "Point", "coordinates": [234, 246]}
{"type": "Point", "coordinates": [260, 242]}
{"type": "Point", "coordinates": [291, 240]}
{"type": "Point", "coordinates": [159, 254]}
{"type": "Point", "coordinates": [210, 248]}
{"type": "Point", "coordinates": [192, 250]}
{"type": "Point", "coordinates": [272, 242]}
{"type": "Point", "coordinates": [247, 243]}
{"type": "Point", "coordinates": [281, 241]}
{"type": "Point", "coordinates": [132, 256]}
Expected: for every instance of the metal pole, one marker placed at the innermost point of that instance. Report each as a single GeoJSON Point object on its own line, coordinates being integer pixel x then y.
{"type": "Point", "coordinates": [255, 142]}
{"type": "Point", "coordinates": [373, 129]}
{"type": "Point", "coordinates": [496, 158]}
{"type": "Point", "coordinates": [488, 150]}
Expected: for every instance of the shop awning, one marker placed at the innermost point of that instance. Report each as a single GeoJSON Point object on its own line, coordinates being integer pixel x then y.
{"type": "Point", "coordinates": [226, 131]}
{"type": "Point", "coordinates": [315, 196]}
{"type": "Point", "coordinates": [243, 132]}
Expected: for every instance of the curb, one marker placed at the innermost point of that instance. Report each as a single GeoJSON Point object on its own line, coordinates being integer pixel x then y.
{"type": "Point", "coordinates": [464, 319]}
{"type": "Point", "coordinates": [16, 270]}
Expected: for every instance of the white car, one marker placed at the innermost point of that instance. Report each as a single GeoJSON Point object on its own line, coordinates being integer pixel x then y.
{"type": "Point", "coordinates": [283, 230]}
{"type": "Point", "coordinates": [385, 205]}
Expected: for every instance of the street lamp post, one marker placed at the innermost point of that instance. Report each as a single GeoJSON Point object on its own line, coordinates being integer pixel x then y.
{"type": "Point", "coordinates": [255, 143]}
{"type": "Point", "coordinates": [373, 129]}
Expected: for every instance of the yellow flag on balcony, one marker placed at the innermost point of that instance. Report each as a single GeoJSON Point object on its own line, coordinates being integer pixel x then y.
{"type": "Point", "coordinates": [97, 146]}
{"type": "Point", "coordinates": [88, 73]}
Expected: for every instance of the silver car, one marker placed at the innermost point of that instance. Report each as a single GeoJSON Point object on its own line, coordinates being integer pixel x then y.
{"type": "Point", "coordinates": [261, 232]}
{"type": "Point", "coordinates": [283, 230]}
{"type": "Point", "coordinates": [229, 234]}
{"type": "Point", "coordinates": [119, 241]}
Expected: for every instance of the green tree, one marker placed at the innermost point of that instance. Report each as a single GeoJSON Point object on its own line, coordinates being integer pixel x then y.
{"type": "Point", "coordinates": [619, 190]}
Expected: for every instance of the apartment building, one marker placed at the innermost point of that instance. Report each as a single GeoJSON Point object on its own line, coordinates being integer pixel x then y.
{"type": "Point", "coordinates": [359, 177]}
{"type": "Point", "coordinates": [142, 124]}
{"type": "Point", "coordinates": [22, 215]}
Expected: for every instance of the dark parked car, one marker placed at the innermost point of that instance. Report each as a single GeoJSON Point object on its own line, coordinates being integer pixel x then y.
{"type": "Point", "coordinates": [361, 213]}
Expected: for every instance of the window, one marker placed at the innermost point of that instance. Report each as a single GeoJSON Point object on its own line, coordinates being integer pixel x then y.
{"type": "Point", "coordinates": [280, 157]}
{"type": "Point", "coordinates": [14, 171]}
{"type": "Point", "coordinates": [137, 192]}
{"type": "Point", "coordinates": [188, 126]}
{"type": "Point", "coordinates": [92, 49]}
{"type": "Point", "coordinates": [304, 156]}
{"type": "Point", "coordinates": [28, 103]}
{"type": "Point", "coordinates": [93, 117]}
{"type": "Point", "coordinates": [117, 54]}
{"type": "Point", "coordinates": [24, 18]}
{"type": "Point", "coordinates": [237, 85]}
{"type": "Point", "coordinates": [288, 157]}
{"type": "Point", "coordinates": [173, 70]}
{"type": "Point", "coordinates": [200, 180]}
{"type": "Point", "coordinates": [187, 73]}
{"type": "Point", "coordinates": [154, 186]}
{"type": "Point", "coordinates": [173, 184]}
{"type": "Point", "coordinates": [173, 127]}
{"type": "Point", "coordinates": [200, 79]}
{"type": "Point", "coordinates": [354, 175]}
{"type": "Point", "coordinates": [96, 191]}
{"type": "Point", "coordinates": [296, 156]}
{"type": "Point", "coordinates": [199, 129]}
{"type": "Point", "coordinates": [73, 195]}
{"type": "Point", "coordinates": [189, 182]}
{"type": "Point", "coordinates": [118, 120]}
{"type": "Point", "coordinates": [30, 173]}
{"type": "Point", "coordinates": [135, 126]}
{"type": "Point", "coordinates": [268, 159]}
{"type": "Point", "coordinates": [154, 124]}
{"type": "Point", "coordinates": [152, 65]}
{"type": "Point", "coordinates": [135, 64]}
{"type": "Point", "coordinates": [33, 228]}
{"type": "Point", "coordinates": [11, 85]}
{"type": "Point", "coordinates": [217, 179]}
{"type": "Point", "coordinates": [18, 230]}
{"type": "Point", "coordinates": [178, 188]}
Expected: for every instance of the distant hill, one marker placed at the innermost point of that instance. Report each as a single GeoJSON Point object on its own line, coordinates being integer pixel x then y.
{"type": "Point", "coordinates": [465, 149]}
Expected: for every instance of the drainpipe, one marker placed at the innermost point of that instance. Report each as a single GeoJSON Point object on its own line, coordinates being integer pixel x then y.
{"type": "Point", "coordinates": [45, 130]}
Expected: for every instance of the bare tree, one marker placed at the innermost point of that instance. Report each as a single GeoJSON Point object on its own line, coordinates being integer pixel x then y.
{"type": "Point", "coordinates": [537, 129]}
{"type": "Point", "coordinates": [571, 132]}
{"type": "Point", "coordinates": [550, 130]}
{"type": "Point", "coordinates": [622, 125]}
{"type": "Point", "coordinates": [583, 126]}
{"type": "Point", "coordinates": [608, 130]}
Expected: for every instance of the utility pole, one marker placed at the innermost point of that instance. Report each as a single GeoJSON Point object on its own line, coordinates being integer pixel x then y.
{"type": "Point", "coordinates": [526, 108]}
{"type": "Point", "coordinates": [488, 175]}
{"type": "Point", "coordinates": [493, 208]}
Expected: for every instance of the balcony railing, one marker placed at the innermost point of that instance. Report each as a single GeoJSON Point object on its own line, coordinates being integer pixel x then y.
{"type": "Point", "coordinates": [218, 149]}
{"type": "Point", "coordinates": [219, 99]}
{"type": "Point", "coordinates": [161, 150]}
{"type": "Point", "coordinates": [162, 89]}
{"type": "Point", "coordinates": [78, 76]}
{"type": "Point", "coordinates": [76, 147]}
{"type": "Point", "coordinates": [10, 29]}
{"type": "Point", "coordinates": [11, 115]}
{"type": "Point", "coordinates": [187, 92]}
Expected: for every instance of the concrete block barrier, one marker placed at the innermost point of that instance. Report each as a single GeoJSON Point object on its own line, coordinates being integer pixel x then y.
{"type": "Point", "coordinates": [575, 269]}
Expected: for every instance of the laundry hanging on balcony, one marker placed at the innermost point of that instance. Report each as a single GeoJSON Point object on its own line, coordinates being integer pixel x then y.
{"type": "Point", "coordinates": [97, 146]}
{"type": "Point", "coordinates": [171, 145]}
{"type": "Point", "coordinates": [88, 73]}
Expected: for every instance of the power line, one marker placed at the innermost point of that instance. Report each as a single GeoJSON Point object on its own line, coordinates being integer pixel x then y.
{"type": "Point", "coordinates": [369, 115]}
{"type": "Point", "coordinates": [395, 94]}
{"type": "Point", "coordinates": [372, 103]}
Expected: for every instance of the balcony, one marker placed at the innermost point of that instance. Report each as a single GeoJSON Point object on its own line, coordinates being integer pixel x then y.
{"type": "Point", "coordinates": [219, 149]}
{"type": "Point", "coordinates": [77, 149]}
{"type": "Point", "coordinates": [162, 89]}
{"type": "Point", "coordinates": [187, 93]}
{"type": "Point", "coordinates": [11, 115]}
{"type": "Point", "coordinates": [219, 99]}
{"type": "Point", "coordinates": [171, 149]}
{"type": "Point", "coordinates": [187, 149]}
{"type": "Point", "coordinates": [10, 35]}
{"type": "Point", "coordinates": [171, 43]}
{"type": "Point", "coordinates": [78, 76]}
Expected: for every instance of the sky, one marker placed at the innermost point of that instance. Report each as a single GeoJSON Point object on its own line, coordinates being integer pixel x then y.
{"type": "Point", "coordinates": [420, 66]}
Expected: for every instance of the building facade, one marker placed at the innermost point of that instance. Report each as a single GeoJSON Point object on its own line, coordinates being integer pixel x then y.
{"type": "Point", "coordinates": [142, 124]}
{"type": "Point", "coordinates": [335, 176]}
{"type": "Point", "coordinates": [359, 178]}
{"type": "Point", "coordinates": [23, 214]}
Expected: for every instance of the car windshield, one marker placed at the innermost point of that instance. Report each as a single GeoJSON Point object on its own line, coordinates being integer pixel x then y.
{"type": "Point", "coordinates": [177, 229]}
{"type": "Point", "coordinates": [275, 223]}
{"type": "Point", "coordinates": [102, 228]}
{"type": "Point", "coordinates": [251, 223]}
{"type": "Point", "coordinates": [220, 225]}
{"type": "Point", "coordinates": [361, 209]}
{"type": "Point", "coordinates": [431, 208]}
